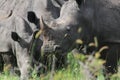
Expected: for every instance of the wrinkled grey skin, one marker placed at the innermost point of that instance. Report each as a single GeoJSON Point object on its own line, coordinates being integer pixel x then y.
{"type": "Point", "coordinates": [54, 35]}
{"type": "Point", "coordinates": [48, 9]}
{"type": "Point", "coordinates": [7, 58]}
{"type": "Point", "coordinates": [61, 30]}
{"type": "Point", "coordinates": [94, 18]}
{"type": "Point", "coordinates": [18, 44]}
{"type": "Point", "coordinates": [44, 8]}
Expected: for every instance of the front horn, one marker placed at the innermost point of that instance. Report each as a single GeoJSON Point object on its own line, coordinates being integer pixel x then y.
{"type": "Point", "coordinates": [43, 26]}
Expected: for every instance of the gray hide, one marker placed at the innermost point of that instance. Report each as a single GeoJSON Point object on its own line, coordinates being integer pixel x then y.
{"type": "Point", "coordinates": [85, 19]}
{"type": "Point", "coordinates": [20, 8]}
{"type": "Point", "coordinates": [9, 26]}
{"type": "Point", "coordinates": [46, 9]}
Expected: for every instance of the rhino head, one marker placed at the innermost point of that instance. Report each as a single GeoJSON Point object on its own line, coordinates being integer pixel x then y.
{"type": "Point", "coordinates": [54, 38]}
{"type": "Point", "coordinates": [60, 35]}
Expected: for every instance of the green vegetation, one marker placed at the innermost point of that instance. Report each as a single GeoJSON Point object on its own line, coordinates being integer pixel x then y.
{"type": "Point", "coordinates": [80, 67]}
{"type": "Point", "coordinates": [6, 76]}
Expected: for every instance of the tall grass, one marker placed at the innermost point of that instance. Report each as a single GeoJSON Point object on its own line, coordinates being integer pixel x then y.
{"type": "Point", "coordinates": [80, 67]}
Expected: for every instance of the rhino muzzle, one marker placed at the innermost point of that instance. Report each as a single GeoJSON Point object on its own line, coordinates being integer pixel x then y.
{"type": "Point", "coordinates": [51, 49]}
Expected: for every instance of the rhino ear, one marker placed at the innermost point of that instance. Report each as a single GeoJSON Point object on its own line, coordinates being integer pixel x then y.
{"type": "Point", "coordinates": [79, 2]}
{"type": "Point", "coordinates": [15, 36]}
{"type": "Point", "coordinates": [32, 17]}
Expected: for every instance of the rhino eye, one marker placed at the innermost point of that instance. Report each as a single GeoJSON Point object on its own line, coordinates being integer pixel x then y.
{"type": "Point", "coordinates": [68, 28]}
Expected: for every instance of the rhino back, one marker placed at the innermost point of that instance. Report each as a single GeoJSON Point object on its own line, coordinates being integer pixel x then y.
{"type": "Point", "coordinates": [108, 20]}
{"type": "Point", "coordinates": [103, 17]}
{"type": "Point", "coordinates": [6, 26]}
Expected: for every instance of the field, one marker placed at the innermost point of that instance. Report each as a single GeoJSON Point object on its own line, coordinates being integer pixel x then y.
{"type": "Point", "coordinates": [80, 67]}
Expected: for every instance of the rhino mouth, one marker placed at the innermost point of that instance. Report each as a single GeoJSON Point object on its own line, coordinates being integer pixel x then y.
{"type": "Point", "coordinates": [52, 50]}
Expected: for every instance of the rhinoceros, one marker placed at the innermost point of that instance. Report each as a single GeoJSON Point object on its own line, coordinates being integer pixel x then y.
{"type": "Point", "coordinates": [85, 19]}
{"type": "Point", "coordinates": [46, 8]}
{"type": "Point", "coordinates": [16, 37]}
{"type": "Point", "coordinates": [8, 58]}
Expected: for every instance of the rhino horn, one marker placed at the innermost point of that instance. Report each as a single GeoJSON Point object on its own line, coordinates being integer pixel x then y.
{"type": "Point", "coordinates": [6, 16]}
{"type": "Point", "coordinates": [43, 25]}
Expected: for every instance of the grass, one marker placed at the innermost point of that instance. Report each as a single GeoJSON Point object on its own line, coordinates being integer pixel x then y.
{"type": "Point", "coordinates": [80, 67]}
{"type": "Point", "coordinates": [8, 77]}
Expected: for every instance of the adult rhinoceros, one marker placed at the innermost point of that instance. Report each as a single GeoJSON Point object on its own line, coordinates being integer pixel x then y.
{"type": "Point", "coordinates": [85, 19]}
